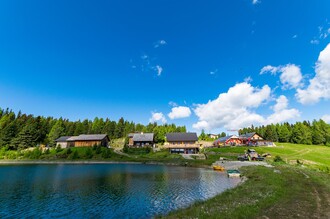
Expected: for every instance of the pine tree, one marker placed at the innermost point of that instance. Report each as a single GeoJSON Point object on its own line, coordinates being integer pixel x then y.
{"type": "Point", "coordinates": [56, 132]}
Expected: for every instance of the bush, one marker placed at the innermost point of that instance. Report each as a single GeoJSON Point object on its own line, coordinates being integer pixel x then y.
{"type": "Point", "coordinates": [278, 159]}
{"type": "Point", "coordinates": [125, 149]}
{"type": "Point", "coordinates": [74, 155]}
{"type": "Point", "coordinates": [34, 154]}
{"type": "Point", "coordinates": [98, 149]}
{"type": "Point", "coordinates": [68, 151]}
{"type": "Point", "coordinates": [58, 149]}
{"type": "Point", "coordinates": [106, 153]}
{"type": "Point", "coordinates": [88, 153]}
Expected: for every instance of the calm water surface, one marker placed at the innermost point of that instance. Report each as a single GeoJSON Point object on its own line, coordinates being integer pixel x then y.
{"type": "Point", "coordinates": [104, 190]}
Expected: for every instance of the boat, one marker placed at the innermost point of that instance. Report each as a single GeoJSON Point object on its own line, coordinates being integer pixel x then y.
{"type": "Point", "coordinates": [233, 173]}
{"type": "Point", "coordinates": [218, 168]}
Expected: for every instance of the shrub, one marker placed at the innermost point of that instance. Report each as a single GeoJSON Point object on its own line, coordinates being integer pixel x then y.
{"type": "Point", "coordinates": [125, 149]}
{"type": "Point", "coordinates": [68, 151]}
{"type": "Point", "coordinates": [88, 153]}
{"type": "Point", "coordinates": [278, 159]}
{"type": "Point", "coordinates": [58, 149]}
{"type": "Point", "coordinates": [34, 154]}
{"type": "Point", "coordinates": [106, 153]}
{"type": "Point", "coordinates": [74, 155]}
{"type": "Point", "coordinates": [98, 149]}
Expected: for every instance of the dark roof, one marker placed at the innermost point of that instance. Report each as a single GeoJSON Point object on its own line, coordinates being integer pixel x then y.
{"type": "Point", "coordinates": [130, 135]}
{"type": "Point", "coordinates": [63, 138]}
{"type": "Point", "coordinates": [190, 136]}
{"type": "Point", "coordinates": [247, 135]}
{"type": "Point", "coordinates": [97, 137]}
{"type": "Point", "coordinates": [143, 137]}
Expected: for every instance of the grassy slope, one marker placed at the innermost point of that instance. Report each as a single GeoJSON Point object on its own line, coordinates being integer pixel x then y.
{"type": "Point", "coordinates": [288, 192]}
{"type": "Point", "coordinates": [315, 156]}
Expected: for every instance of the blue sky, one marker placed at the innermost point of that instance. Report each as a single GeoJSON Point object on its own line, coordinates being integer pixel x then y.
{"type": "Point", "coordinates": [213, 65]}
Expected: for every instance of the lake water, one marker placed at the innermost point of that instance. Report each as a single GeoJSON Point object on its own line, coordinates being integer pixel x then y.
{"type": "Point", "coordinates": [104, 190]}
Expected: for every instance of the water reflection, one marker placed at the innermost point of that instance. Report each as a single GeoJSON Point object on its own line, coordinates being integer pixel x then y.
{"type": "Point", "coordinates": [104, 190]}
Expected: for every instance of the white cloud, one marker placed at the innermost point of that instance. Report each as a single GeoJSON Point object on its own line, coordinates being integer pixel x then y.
{"type": "Point", "coordinates": [159, 70]}
{"type": "Point", "coordinates": [255, 2]}
{"type": "Point", "coordinates": [179, 112]}
{"type": "Point", "coordinates": [315, 42]}
{"type": "Point", "coordinates": [290, 75]}
{"type": "Point", "coordinates": [157, 117]}
{"type": "Point", "coordinates": [233, 109]}
{"type": "Point", "coordinates": [281, 113]}
{"type": "Point", "coordinates": [160, 43]}
{"type": "Point", "coordinates": [294, 36]}
{"type": "Point", "coordinates": [173, 104]}
{"type": "Point", "coordinates": [273, 70]}
{"type": "Point", "coordinates": [248, 79]}
{"type": "Point", "coordinates": [326, 118]}
{"type": "Point", "coordinates": [319, 86]}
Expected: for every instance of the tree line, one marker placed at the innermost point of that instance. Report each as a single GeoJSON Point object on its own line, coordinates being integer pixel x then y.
{"type": "Point", "coordinates": [316, 132]}
{"type": "Point", "coordinates": [20, 131]}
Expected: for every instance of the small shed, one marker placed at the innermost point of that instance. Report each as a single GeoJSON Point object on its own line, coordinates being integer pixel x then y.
{"type": "Point", "coordinates": [62, 141]}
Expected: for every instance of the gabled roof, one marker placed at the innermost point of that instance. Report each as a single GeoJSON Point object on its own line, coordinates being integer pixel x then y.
{"type": "Point", "coordinates": [178, 136]}
{"type": "Point", "coordinates": [224, 139]}
{"type": "Point", "coordinates": [143, 137]}
{"type": "Point", "coordinates": [63, 139]}
{"type": "Point", "coordinates": [97, 137]}
{"type": "Point", "coordinates": [247, 135]}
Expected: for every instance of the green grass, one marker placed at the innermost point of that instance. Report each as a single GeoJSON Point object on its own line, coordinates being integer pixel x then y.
{"type": "Point", "coordinates": [288, 192]}
{"type": "Point", "coordinates": [313, 156]}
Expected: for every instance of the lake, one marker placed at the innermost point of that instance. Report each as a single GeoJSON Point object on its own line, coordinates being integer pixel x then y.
{"type": "Point", "coordinates": [104, 190]}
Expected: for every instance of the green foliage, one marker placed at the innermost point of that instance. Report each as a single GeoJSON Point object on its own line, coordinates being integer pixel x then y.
{"type": "Point", "coordinates": [138, 151]}
{"type": "Point", "coordinates": [278, 159]}
{"type": "Point", "coordinates": [106, 153]}
{"type": "Point", "coordinates": [33, 154]}
{"type": "Point", "coordinates": [317, 133]}
{"type": "Point", "coordinates": [74, 155]}
{"type": "Point", "coordinates": [202, 136]}
{"type": "Point", "coordinates": [88, 153]}
{"type": "Point", "coordinates": [68, 151]}
{"type": "Point", "coordinates": [58, 148]}
{"type": "Point", "coordinates": [125, 148]}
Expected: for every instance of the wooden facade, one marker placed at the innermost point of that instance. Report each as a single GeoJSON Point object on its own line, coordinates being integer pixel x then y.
{"type": "Point", "coordinates": [84, 141]}
{"type": "Point", "coordinates": [182, 143]}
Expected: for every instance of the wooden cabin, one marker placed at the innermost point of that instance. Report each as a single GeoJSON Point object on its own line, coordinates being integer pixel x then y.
{"type": "Point", "coordinates": [253, 139]}
{"type": "Point", "coordinates": [141, 140]}
{"type": "Point", "coordinates": [230, 140]}
{"type": "Point", "coordinates": [87, 140]}
{"type": "Point", "coordinates": [182, 143]}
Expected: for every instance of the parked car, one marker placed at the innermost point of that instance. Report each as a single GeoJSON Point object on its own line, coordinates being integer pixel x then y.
{"type": "Point", "coordinates": [251, 154]}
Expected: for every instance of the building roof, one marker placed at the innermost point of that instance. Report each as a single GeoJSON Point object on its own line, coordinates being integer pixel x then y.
{"type": "Point", "coordinates": [63, 139]}
{"type": "Point", "coordinates": [97, 137]}
{"type": "Point", "coordinates": [224, 139]}
{"type": "Point", "coordinates": [247, 135]}
{"type": "Point", "coordinates": [143, 137]}
{"type": "Point", "coordinates": [179, 136]}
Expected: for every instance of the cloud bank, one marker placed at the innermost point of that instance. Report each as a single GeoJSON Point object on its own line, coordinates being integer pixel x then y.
{"type": "Point", "coordinates": [179, 112]}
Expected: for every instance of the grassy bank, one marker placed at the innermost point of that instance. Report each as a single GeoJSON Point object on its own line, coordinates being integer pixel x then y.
{"type": "Point", "coordinates": [313, 156]}
{"type": "Point", "coordinates": [280, 192]}
{"type": "Point", "coordinates": [102, 154]}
